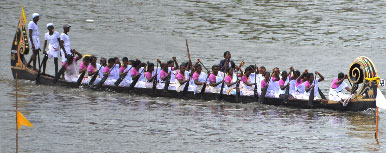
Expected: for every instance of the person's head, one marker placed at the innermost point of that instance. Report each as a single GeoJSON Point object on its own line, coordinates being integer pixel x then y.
{"type": "Point", "coordinates": [50, 27]}
{"type": "Point", "coordinates": [103, 61]}
{"type": "Point", "coordinates": [227, 55]}
{"type": "Point", "coordinates": [262, 70]}
{"type": "Point", "coordinates": [198, 68]}
{"type": "Point", "coordinates": [125, 61]}
{"type": "Point", "coordinates": [130, 62]}
{"type": "Point", "coordinates": [215, 69]}
{"type": "Point", "coordinates": [340, 75]}
{"type": "Point", "coordinates": [150, 67]}
{"type": "Point", "coordinates": [143, 64]}
{"type": "Point", "coordinates": [296, 74]}
{"type": "Point", "coordinates": [305, 77]}
{"type": "Point", "coordinates": [70, 58]}
{"type": "Point", "coordinates": [276, 72]}
{"type": "Point", "coordinates": [117, 61]}
{"type": "Point", "coordinates": [171, 63]}
{"type": "Point", "coordinates": [93, 59]}
{"type": "Point", "coordinates": [266, 75]}
{"type": "Point", "coordinates": [164, 66]}
{"type": "Point", "coordinates": [111, 62]}
{"type": "Point", "coordinates": [248, 70]}
{"type": "Point", "coordinates": [86, 60]}
{"type": "Point", "coordinates": [35, 17]}
{"type": "Point", "coordinates": [284, 74]}
{"type": "Point", "coordinates": [136, 64]}
{"type": "Point", "coordinates": [66, 28]}
{"type": "Point", "coordinates": [182, 68]}
{"type": "Point", "coordinates": [310, 77]}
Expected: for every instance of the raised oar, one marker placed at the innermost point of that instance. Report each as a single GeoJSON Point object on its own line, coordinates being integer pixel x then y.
{"type": "Point", "coordinates": [190, 61]}
{"type": "Point", "coordinates": [100, 83]}
{"type": "Point", "coordinates": [91, 82]}
{"type": "Point", "coordinates": [40, 66]}
{"type": "Point", "coordinates": [135, 80]}
{"type": "Point", "coordinates": [222, 88]}
{"type": "Point", "coordinates": [255, 89]}
{"type": "Point", "coordinates": [79, 81]}
{"type": "Point", "coordinates": [120, 79]}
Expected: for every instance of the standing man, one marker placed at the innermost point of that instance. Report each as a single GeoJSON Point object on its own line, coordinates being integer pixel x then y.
{"type": "Point", "coordinates": [227, 63]}
{"type": "Point", "coordinates": [33, 31]}
{"type": "Point", "coordinates": [65, 43]}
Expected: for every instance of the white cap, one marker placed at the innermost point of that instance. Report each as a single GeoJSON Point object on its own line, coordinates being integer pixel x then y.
{"type": "Point", "coordinates": [35, 15]}
{"type": "Point", "coordinates": [50, 24]}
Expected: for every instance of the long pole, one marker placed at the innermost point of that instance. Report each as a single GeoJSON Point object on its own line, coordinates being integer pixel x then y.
{"type": "Point", "coordinates": [376, 124]}
{"type": "Point", "coordinates": [17, 131]}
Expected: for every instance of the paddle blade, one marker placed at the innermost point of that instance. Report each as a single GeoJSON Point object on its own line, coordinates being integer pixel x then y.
{"type": "Point", "coordinates": [311, 98]}
{"type": "Point", "coordinates": [380, 100]}
{"type": "Point", "coordinates": [80, 79]}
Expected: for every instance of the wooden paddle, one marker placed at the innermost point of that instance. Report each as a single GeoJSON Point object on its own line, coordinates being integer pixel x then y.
{"type": "Point", "coordinates": [91, 82]}
{"type": "Point", "coordinates": [238, 82]}
{"type": "Point", "coordinates": [167, 82]}
{"type": "Point", "coordinates": [186, 87]}
{"type": "Point", "coordinates": [321, 94]}
{"type": "Point", "coordinates": [204, 86]}
{"type": "Point", "coordinates": [79, 81]}
{"type": "Point", "coordinates": [190, 61]}
{"type": "Point", "coordinates": [263, 93]}
{"type": "Point", "coordinates": [45, 58]}
{"type": "Point", "coordinates": [155, 79]}
{"type": "Point", "coordinates": [312, 95]}
{"type": "Point", "coordinates": [255, 89]}
{"type": "Point", "coordinates": [286, 95]}
{"type": "Point", "coordinates": [100, 83]}
{"type": "Point", "coordinates": [222, 88]}
{"type": "Point", "coordinates": [135, 79]}
{"type": "Point", "coordinates": [120, 79]}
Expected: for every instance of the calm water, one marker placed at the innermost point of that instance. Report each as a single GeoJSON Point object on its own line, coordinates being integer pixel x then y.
{"type": "Point", "coordinates": [324, 36]}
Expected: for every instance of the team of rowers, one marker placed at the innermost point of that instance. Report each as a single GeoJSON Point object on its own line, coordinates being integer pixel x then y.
{"type": "Point", "coordinates": [227, 75]}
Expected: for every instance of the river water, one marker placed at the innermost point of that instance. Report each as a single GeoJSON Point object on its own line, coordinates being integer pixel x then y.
{"type": "Point", "coordinates": [324, 36]}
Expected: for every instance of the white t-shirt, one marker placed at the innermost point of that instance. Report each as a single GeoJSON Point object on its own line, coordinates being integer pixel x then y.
{"type": "Point", "coordinates": [35, 29]}
{"type": "Point", "coordinates": [52, 39]}
{"type": "Point", "coordinates": [66, 42]}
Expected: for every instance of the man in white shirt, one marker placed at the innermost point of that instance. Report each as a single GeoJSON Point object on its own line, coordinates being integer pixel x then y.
{"type": "Point", "coordinates": [34, 39]}
{"type": "Point", "coordinates": [65, 42]}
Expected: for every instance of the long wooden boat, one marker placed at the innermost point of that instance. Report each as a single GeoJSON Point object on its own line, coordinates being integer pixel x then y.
{"type": "Point", "coordinates": [362, 74]}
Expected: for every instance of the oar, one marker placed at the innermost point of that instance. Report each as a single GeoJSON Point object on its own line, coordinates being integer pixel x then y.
{"type": "Point", "coordinates": [61, 71]}
{"type": "Point", "coordinates": [222, 88]}
{"type": "Point", "coordinates": [312, 95]}
{"type": "Point", "coordinates": [120, 79]}
{"type": "Point", "coordinates": [255, 89]}
{"type": "Point", "coordinates": [100, 83]}
{"type": "Point", "coordinates": [286, 95]}
{"type": "Point", "coordinates": [39, 56]}
{"type": "Point", "coordinates": [203, 66]}
{"type": "Point", "coordinates": [321, 94]}
{"type": "Point", "coordinates": [190, 61]}
{"type": "Point", "coordinates": [135, 80]}
{"type": "Point", "coordinates": [204, 86]}
{"type": "Point", "coordinates": [167, 82]}
{"type": "Point", "coordinates": [155, 79]}
{"type": "Point", "coordinates": [91, 82]}
{"type": "Point", "coordinates": [186, 87]}
{"type": "Point", "coordinates": [263, 93]}
{"type": "Point", "coordinates": [40, 66]}
{"type": "Point", "coordinates": [79, 81]}
{"type": "Point", "coordinates": [238, 83]}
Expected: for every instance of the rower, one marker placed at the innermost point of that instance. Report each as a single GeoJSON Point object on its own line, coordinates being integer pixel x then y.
{"type": "Point", "coordinates": [71, 73]}
{"type": "Point", "coordinates": [33, 30]}
{"type": "Point", "coordinates": [198, 78]}
{"type": "Point", "coordinates": [265, 82]}
{"type": "Point", "coordinates": [53, 38]}
{"type": "Point", "coordinates": [284, 83]}
{"type": "Point", "coordinates": [84, 64]}
{"type": "Point", "coordinates": [107, 69]}
{"type": "Point", "coordinates": [122, 72]}
{"type": "Point", "coordinates": [92, 69]}
{"type": "Point", "coordinates": [214, 81]}
{"type": "Point", "coordinates": [149, 75]}
{"type": "Point", "coordinates": [101, 66]}
{"type": "Point", "coordinates": [246, 84]}
{"type": "Point", "coordinates": [180, 78]}
{"type": "Point", "coordinates": [137, 65]}
{"type": "Point", "coordinates": [337, 89]}
{"type": "Point", "coordinates": [231, 81]}
{"type": "Point", "coordinates": [65, 42]}
{"type": "Point", "coordinates": [311, 83]}
{"type": "Point", "coordinates": [227, 63]}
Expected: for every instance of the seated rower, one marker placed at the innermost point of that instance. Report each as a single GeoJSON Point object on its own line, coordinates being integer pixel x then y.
{"type": "Point", "coordinates": [71, 74]}
{"type": "Point", "coordinates": [230, 81]}
{"type": "Point", "coordinates": [299, 86]}
{"type": "Point", "coordinates": [337, 89]}
{"type": "Point", "coordinates": [93, 69]}
{"type": "Point", "coordinates": [312, 83]}
{"type": "Point", "coordinates": [107, 72]}
{"type": "Point", "coordinates": [246, 85]}
{"type": "Point", "coordinates": [163, 76]}
{"type": "Point", "coordinates": [214, 81]}
{"type": "Point", "coordinates": [84, 64]}
{"type": "Point", "coordinates": [265, 83]}
{"type": "Point", "coordinates": [123, 70]}
{"type": "Point", "coordinates": [149, 78]}
{"type": "Point", "coordinates": [135, 73]}
{"type": "Point", "coordinates": [101, 66]}
{"type": "Point", "coordinates": [180, 78]}
{"type": "Point", "coordinates": [284, 83]}
{"type": "Point", "coordinates": [198, 78]}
